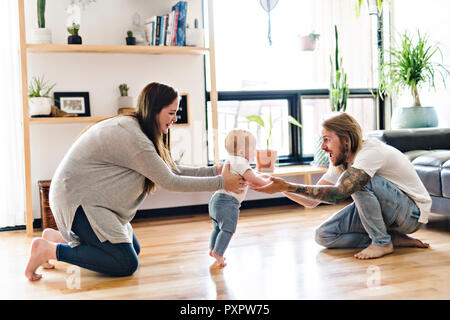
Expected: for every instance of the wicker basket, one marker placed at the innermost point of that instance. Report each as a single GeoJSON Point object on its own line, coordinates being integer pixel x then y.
{"type": "Point", "coordinates": [47, 216]}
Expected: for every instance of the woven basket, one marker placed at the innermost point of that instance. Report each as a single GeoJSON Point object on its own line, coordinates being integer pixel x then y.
{"type": "Point", "coordinates": [48, 221]}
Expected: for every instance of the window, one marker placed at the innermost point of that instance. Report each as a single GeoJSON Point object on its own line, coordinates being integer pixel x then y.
{"type": "Point", "coordinates": [255, 78]}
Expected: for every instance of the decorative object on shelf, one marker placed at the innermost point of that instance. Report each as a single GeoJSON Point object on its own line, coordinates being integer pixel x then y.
{"type": "Point", "coordinates": [194, 36]}
{"type": "Point", "coordinates": [182, 113]}
{"type": "Point", "coordinates": [138, 30]}
{"type": "Point", "coordinates": [410, 67]}
{"type": "Point", "coordinates": [59, 113]}
{"type": "Point", "coordinates": [73, 103]}
{"type": "Point", "coordinates": [269, 5]}
{"type": "Point", "coordinates": [309, 42]}
{"type": "Point", "coordinates": [48, 221]}
{"type": "Point", "coordinates": [124, 101]}
{"type": "Point", "coordinates": [74, 37]}
{"type": "Point", "coordinates": [41, 35]}
{"type": "Point", "coordinates": [40, 102]}
{"type": "Point", "coordinates": [131, 41]}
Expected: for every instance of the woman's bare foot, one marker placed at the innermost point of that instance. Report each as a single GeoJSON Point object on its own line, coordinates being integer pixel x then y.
{"type": "Point", "coordinates": [53, 235]}
{"type": "Point", "coordinates": [41, 251]}
{"type": "Point", "coordinates": [219, 258]}
{"type": "Point", "coordinates": [374, 251]}
{"type": "Point", "coordinates": [402, 240]}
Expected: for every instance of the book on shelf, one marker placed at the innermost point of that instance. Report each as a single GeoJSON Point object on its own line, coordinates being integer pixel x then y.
{"type": "Point", "coordinates": [169, 29]}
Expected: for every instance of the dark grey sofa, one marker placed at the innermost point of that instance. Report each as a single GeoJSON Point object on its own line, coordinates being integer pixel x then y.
{"type": "Point", "coordinates": [429, 151]}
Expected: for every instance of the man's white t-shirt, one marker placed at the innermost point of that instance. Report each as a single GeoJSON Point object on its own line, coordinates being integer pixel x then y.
{"type": "Point", "coordinates": [376, 157]}
{"type": "Point", "coordinates": [238, 165]}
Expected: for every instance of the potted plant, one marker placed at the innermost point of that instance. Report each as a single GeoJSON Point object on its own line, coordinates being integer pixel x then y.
{"type": "Point", "coordinates": [131, 41]}
{"type": "Point", "coordinates": [266, 158]}
{"type": "Point", "coordinates": [339, 89]}
{"type": "Point", "coordinates": [40, 102]}
{"type": "Point", "coordinates": [41, 35]}
{"type": "Point", "coordinates": [124, 101]}
{"type": "Point", "coordinates": [410, 68]}
{"type": "Point", "coordinates": [74, 37]}
{"type": "Point", "coordinates": [309, 42]}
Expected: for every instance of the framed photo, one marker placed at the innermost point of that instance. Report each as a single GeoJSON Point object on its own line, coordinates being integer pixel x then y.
{"type": "Point", "coordinates": [183, 114]}
{"type": "Point", "coordinates": [73, 102]}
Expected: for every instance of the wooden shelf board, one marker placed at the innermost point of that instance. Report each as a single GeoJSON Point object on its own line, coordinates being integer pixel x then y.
{"type": "Point", "coordinates": [86, 48]}
{"type": "Point", "coordinates": [66, 119]}
{"type": "Point", "coordinates": [298, 170]}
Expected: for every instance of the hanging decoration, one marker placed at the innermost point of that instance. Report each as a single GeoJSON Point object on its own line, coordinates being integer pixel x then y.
{"type": "Point", "coordinates": [268, 5]}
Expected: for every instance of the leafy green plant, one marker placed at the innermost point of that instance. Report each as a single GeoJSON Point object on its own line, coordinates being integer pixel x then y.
{"type": "Point", "coordinates": [359, 4]}
{"type": "Point", "coordinates": [411, 67]}
{"type": "Point", "coordinates": [73, 30]}
{"type": "Point", "coordinates": [259, 120]}
{"type": "Point", "coordinates": [123, 90]}
{"type": "Point", "coordinates": [39, 88]}
{"type": "Point", "coordinates": [129, 34]}
{"type": "Point", "coordinates": [339, 89]}
{"type": "Point", "coordinates": [41, 13]}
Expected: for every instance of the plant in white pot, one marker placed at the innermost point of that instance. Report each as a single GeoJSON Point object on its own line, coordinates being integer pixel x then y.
{"type": "Point", "coordinates": [40, 102]}
{"type": "Point", "coordinates": [410, 67]}
{"type": "Point", "coordinates": [41, 35]}
{"type": "Point", "coordinates": [124, 101]}
{"type": "Point", "coordinates": [267, 158]}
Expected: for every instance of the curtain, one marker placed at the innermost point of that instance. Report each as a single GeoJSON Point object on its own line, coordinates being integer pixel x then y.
{"type": "Point", "coordinates": [12, 182]}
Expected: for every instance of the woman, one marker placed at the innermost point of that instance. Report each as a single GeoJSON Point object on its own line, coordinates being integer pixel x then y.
{"type": "Point", "coordinates": [103, 179]}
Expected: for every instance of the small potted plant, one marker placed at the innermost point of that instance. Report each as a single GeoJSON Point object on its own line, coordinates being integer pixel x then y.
{"type": "Point", "coordinates": [409, 68]}
{"type": "Point", "coordinates": [266, 158]}
{"type": "Point", "coordinates": [131, 41]}
{"type": "Point", "coordinates": [41, 35]}
{"type": "Point", "coordinates": [309, 42]}
{"type": "Point", "coordinates": [74, 37]}
{"type": "Point", "coordinates": [40, 102]}
{"type": "Point", "coordinates": [124, 101]}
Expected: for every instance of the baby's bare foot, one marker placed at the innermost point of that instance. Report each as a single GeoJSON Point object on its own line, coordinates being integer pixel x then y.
{"type": "Point", "coordinates": [219, 258]}
{"type": "Point", "coordinates": [374, 251]}
{"type": "Point", "coordinates": [41, 251]}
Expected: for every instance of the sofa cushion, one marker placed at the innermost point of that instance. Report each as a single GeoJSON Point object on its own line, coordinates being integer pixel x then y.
{"type": "Point", "coordinates": [429, 166]}
{"type": "Point", "coordinates": [445, 178]}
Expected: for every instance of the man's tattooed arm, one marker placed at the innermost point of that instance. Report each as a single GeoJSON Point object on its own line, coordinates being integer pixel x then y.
{"type": "Point", "coordinates": [351, 181]}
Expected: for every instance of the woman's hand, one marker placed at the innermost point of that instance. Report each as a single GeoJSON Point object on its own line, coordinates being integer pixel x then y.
{"type": "Point", "coordinates": [219, 168]}
{"type": "Point", "coordinates": [277, 185]}
{"type": "Point", "coordinates": [233, 182]}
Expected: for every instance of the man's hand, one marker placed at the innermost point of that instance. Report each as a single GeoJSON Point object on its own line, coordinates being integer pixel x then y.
{"type": "Point", "coordinates": [276, 185]}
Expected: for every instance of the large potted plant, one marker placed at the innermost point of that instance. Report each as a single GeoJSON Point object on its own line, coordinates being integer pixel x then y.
{"type": "Point", "coordinates": [40, 102]}
{"type": "Point", "coordinates": [267, 158]}
{"type": "Point", "coordinates": [410, 67]}
{"type": "Point", "coordinates": [338, 94]}
{"type": "Point", "coordinates": [41, 35]}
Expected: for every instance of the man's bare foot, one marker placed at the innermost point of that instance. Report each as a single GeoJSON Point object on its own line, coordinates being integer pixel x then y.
{"type": "Point", "coordinates": [402, 240]}
{"type": "Point", "coordinates": [53, 235]}
{"type": "Point", "coordinates": [41, 251]}
{"type": "Point", "coordinates": [219, 258]}
{"type": "Point", "coordinates": [374, 251]}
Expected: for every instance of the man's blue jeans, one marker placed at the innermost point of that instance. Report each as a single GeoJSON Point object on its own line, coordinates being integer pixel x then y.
{"type": "Point", "coordinates": [378, 208]}
{"type": "Point", "coordinates": [113, 259]}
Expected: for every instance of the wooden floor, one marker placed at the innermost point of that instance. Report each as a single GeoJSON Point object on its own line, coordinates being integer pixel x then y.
{"type": "Point", "coordinates": [272, 256]}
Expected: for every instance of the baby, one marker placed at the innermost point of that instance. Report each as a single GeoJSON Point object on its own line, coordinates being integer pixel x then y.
{"type": "Point", "coordinates": [224, 205]}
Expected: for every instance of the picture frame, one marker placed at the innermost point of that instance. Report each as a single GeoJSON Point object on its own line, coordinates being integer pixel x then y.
{"type": "Point", "coordinates": [183, 110]}
{"type": "Point", "coordinates": [73, 103]}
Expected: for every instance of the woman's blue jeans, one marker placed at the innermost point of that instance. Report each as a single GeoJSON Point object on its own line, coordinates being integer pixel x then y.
{"type": "Point", "coordinates": [378, 208]}
{"type": "Point", "coordinates": [113, 259]}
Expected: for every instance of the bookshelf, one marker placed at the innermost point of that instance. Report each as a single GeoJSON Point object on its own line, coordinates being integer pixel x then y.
{"type": "Point", "coordinates": [26, 49]}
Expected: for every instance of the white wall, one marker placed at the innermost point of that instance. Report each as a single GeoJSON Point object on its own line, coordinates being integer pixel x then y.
{"type": "Point", "coordinates": [430, 17]}
{"type": "Point", "coordinates": [106, 22]}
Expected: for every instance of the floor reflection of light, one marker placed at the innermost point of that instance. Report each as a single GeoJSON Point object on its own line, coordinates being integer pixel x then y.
{"type": "Point", "coordinates": [309, 269]}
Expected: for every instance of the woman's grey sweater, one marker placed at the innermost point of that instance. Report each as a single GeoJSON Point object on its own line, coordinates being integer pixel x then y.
{"type": "Point", "coordinates": [104, 172]}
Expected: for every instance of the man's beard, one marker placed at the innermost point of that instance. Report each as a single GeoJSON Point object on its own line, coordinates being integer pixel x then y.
{"type": "Point", "coordinates": [342, 158]}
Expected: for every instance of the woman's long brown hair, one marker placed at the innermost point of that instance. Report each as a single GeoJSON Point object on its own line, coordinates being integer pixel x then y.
{"type": "Point", "coordinates": [152, 99]}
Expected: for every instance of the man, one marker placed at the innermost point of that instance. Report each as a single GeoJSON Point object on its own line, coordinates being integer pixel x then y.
{"type": "Point", "coordinates": [389, 200]}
